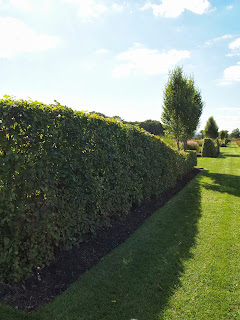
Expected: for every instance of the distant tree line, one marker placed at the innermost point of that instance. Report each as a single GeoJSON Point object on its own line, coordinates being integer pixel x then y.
{"type": "Point", "coordinates": [235, 134]}
{"type": "Point", "coordinates": [152, 126]}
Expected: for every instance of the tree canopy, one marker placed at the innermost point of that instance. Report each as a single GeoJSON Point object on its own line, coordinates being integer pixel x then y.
{"type": "Point", "coordinates": [182, 106]}
{"type": "Point", "coordinates": [152, 126]}
{"type": "Point", "coordinates": [211, 129]}
{"type": "Point", "coordinates": [223, 134]}
{"type": "Point", "coordinates": [235, 134]}
{"type": "Point", "coordinates": [99, 114]}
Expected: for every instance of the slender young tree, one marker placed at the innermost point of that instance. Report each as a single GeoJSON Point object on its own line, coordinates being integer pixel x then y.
{"type": "Point", "coordinates": [182, 106]}
{"type": "Point", "coordinates": [211, 129]}
{"type": "Point", "coordinates": [193, 111]}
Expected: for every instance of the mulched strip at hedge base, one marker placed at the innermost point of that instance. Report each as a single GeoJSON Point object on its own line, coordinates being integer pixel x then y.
{"type": "Point", "coordinates": [66, 268]}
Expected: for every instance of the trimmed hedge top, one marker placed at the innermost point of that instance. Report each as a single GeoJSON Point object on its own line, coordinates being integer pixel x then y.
{"type": "Point", "coordinates": [63, 174]}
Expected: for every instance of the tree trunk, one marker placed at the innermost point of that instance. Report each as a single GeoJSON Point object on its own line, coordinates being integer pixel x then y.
{"type": "Point", "coordinates": [185, 144]}
{"type": "Point", "coordinates": [178, 144]}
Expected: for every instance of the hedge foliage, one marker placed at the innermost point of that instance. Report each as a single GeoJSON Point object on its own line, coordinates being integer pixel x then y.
{"type": "Point", "coordinates": [64, 174]}
{"type": "Point", "coordinates": [210, 148]}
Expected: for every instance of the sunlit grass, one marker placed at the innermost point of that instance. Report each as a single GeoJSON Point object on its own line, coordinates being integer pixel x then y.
{"type": "Point", "coordinates": [170, 141]}
{"type": "Point", "coordinates": [209, 287]}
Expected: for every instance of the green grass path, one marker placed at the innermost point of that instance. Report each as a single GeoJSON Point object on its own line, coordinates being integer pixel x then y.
{"type": "Point", "coordinates": [182, 263]}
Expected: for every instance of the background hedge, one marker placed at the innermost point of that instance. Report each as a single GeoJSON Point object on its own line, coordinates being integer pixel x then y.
{"type": "Point", "coordinates": [63, 174]}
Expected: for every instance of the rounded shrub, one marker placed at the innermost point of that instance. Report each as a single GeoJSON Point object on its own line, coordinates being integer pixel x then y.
{"type": "Point", "coordinates": [209, 149]}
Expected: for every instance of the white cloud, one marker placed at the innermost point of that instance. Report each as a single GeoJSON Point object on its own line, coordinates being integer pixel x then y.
{"type": "Point", "coordinates": [26, 5]}
{"type": "Point", "coordinates": [173, 8]}
{"type": "Point", "coordinates": [230, 7]}
{"type": "Point", "coordinates": [230, 109]}
{"type": "Point", "coordinates": [117, 7]}
{"type": "Point", "coordinates": [22, 4]}
{"type": "Point", "coordinates": [89, 8]}
{"type": "Point", "coordinates": [95, 8]}
{"type": "Point", "coordinates": [123, 70]}
{"type": "Point", "coordinates": [102, 51]}
{"type": "Point", "coordinates": [232, 54]}
{"type": "Point", "coordinates": [231, 74]}
{"type": "Point", "coordinates": [139, 59]}
{"type": "Point", "coordinates": [212, 41]}
{"type": "Point", "coordinates": [228, 122]}
{"type": "Point", "coordinates": [16, 37]}
{"type": "Point", "coordinates": [234, 46]}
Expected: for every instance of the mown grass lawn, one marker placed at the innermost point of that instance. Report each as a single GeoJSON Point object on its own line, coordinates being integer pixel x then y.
{"type": "Point", "coordinates": [182, 263]}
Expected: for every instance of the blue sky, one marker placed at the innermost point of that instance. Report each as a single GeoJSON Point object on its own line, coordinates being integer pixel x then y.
{"type": "Point", "coordinates": [113, 56]}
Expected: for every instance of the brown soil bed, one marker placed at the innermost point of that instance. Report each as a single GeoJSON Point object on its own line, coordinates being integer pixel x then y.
{"type": "Point", "coordinates": [66, 268]}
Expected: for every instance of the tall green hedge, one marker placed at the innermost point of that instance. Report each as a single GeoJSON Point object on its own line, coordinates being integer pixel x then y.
{"type": "Point", "coordinates": [63, 174]}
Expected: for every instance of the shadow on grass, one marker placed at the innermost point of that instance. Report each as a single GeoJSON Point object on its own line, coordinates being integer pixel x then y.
{"type": "Point", "coordinates": [138, 278]}
{"type": "Point", "coordinates": [224, 183]}
{"type": "Point", "coordinates": [233, 155]}
{"type": "Point", "coordinates": [227, 155]}
{"type": "Point", "coordinates": [8, 313]}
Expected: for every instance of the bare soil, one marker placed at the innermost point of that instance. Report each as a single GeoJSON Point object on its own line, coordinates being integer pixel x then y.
{"type": "Point", "coordinates": [238, 142]}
